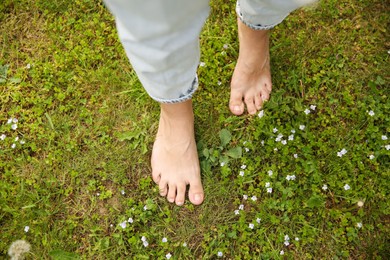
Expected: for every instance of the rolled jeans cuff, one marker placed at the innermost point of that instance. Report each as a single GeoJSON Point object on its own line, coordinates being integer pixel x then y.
{"type": "Point", "coordinates": [182, 98]}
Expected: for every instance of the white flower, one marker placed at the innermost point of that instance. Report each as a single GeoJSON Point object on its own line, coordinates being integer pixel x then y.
{"type": "Point", "coordinates": [130, 220]}
{"type": "Point", "coordinates": [145, 207]}
{"type": "Point", "coordinates": [296, 239]}
{"type": "Point", "coordinates": [236, 212]}
{"type": "Point", "coordinates": [245, 197]}
{"type": "Point", "coordinates": [242, 173]}
{"type": "Point", "coordinates": [342, 152]}
{"type": "Point", "coordinates": [246, 149]}
{"type": "Point", "coordinates": [15, 120]}
{"type": "Point", "coordinates": [387, 147]}
{"type": "Point", "coordinates": [123, 224]}
{"type": "Point", "coordinates": [202, 64]}
{"type": "Point", "coordinates": [14, 126]}
{"type": "Point", "coordinates": [184, 244]}
{"type": "Point", "coordinates": [290, 177]}
{"type": "Point", "coordinates": [143, 239]}
{"type": "Point", "coordinates": [275, 149]}
{"type": "Point", "coordinates": [313, 107]}
{"type": "Point", "coordinates": [360, 203]}
{"type": "Point", "coordinates": [17, 138]}
{"type": "Point", "coordinates": [371, 157]}
{"type": "Point", "coordinates": [254, 198]}
{"type": "Point", "coordinates": [26, 229]}
{"type": "Point", "coordinates": [13, 146]}
{"type": "Point", "coordinates": [219, 254]}
{"type": "Point", "coordinates": [251, 226]}
{"type": "Point", "coordinates": [219, 83]}
{"type": "Point", "coordinates": [18, 249]}
{"type": "Point", "coordinates": [28, 66]}
{"type": "Point", "coordinates": [302, 127]}
{"type": "Point", "coordinates": [325, 187]}
{"type": "Point", "coordinates": [243, 166]}
{"type": "Point", "coordinates": [274, 130]}
{"type": "Point", "coordinates": [241, 207]}
{"type": "Point", "coordinates": [164, 240]}
{"type": "Point", "coordinates": [307, 111]}
{"type": "Point", "coordinates": [98, 194]}
{"type": "Point", "coordinates": [286, 237]}
{"type": "Point", "coordinates": [168, 256]}
{"type": "Point", "coordinates": [286, 243]}
{"type": "Point", "coordinates": [2, 137]}
{"type": "Point", "coordinates": [225, 46]}
{"type": "Point", "coordinates": [359, 224]}
{"type": "Point", "coordinates": [293, 131]}
{"type": "Point", "coordinates": [269, 190]}
{"type": "Point", "coordinates": [371, 113]}
{"type": "Point", "coordinates": [262, 142]}
{"type": "Point", "coordinates": [261, 113]}
{"type": "Point", "coordinates": [222, 164]}
{"type": "Point", "coordinates": [284, 142]}
{"type": "Point", "coordinates": [384, 138]}
{"type": "Point", "coordinates": [347, 187]}
{"type": "Point", "coordinates": [281, 252]}
{"type": "Point", "coordinates": [145, 243]}
{"type": "Point", "coordinates": [295, 155]}
{"type": "Point", "coordinates": [270, 172]}
{"type": "Point", "coordinates": [291, 137]}
{"type": "Point", "coordinates": [267, 184]}
{"type": "Point", "coordinates": [9, 121]}
{"type": "Point", "coordinates": [258, 220]}
{"type": "Point", "coordinates": [122, 192]}
{"type": "Point", "coordinates": [22, 142]}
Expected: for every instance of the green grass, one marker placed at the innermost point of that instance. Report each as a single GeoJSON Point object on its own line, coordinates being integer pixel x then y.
{"type": "Point", "coordinates": [87, 140]}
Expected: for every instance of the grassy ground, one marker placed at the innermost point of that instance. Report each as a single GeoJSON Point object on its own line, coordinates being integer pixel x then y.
{"type": "Point", "coordinates": [80, 167]}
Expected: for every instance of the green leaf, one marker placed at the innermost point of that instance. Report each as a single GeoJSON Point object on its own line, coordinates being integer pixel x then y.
{"type": "Point", "coordinates": [225, 137]}
{"type": "Point", "coordinates": [314, 201]}
{"type": "Point", "coordinates": [235, 152]}
{"type": "Point", "coordinates": [62, 255]}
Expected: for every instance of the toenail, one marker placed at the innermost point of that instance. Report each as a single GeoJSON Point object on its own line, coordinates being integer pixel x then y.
{"type": "Point", "coordinates": [197, 197]}
{"type": "Point", "coordinates": [179, 203]}
{"type": "Point", "coordinates": [237, 108]}
{"type": "Point", "coordinates": [171, 200]}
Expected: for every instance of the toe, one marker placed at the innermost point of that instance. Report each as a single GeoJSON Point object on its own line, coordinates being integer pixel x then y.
{"type": "Point", "coordinates": [163, 188]}
{"type": "Point", "coordinates": [180, 194]}
{"type": "Point", "coordinates": [156, 176]}
{"type": "Point", "coordinates": [250, 105]}
{"type": "Point", "coordinates": [195, 192]}
{"type": "Point", "coordinates": [258, 102]}
{"type": "Point", "coordinates": [236, 105]}
{"type": "Point", "coordinates": [171, 193]}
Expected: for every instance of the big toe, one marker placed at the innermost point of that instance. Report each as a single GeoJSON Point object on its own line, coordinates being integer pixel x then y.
{"type": "Point", "coordinates": [236, 104]}
{"type": "Point", "coordinates": [195, 193]}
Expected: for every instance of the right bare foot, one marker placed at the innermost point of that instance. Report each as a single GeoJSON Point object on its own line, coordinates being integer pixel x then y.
{"type": "Point", "coordinates": [175, 162]}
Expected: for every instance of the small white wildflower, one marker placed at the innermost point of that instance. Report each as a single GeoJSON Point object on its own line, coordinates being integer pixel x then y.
{"type": "Point", "coordinates": [225, 46]}
{"type": "Point", "coordinates": [270, 172]}
{"type": "Point", "coordinates": [360, 203]}
{"type": "Point", "coordinates": [342, 152]}
{"type": "Point", "coordinates": [222, 164]}
{"type": "Point", "coordinates": [145, 207]}
{"type": "Point", "coordinates": [219, 83]}
{"type": "Point", "coordinates": [219, 254]}
{"type": "Point", "coordinates": [274, 130]}
{"type": "Point", "coordinates": [143, 239]}
{"type": "Point", "coordinates": [286, 243]}
{"type": "Point", "coordinates": [254, 198]}
{"type": "Point", "coordinates": [293, 131]}
{"type": "Point", "coordinates": [384, 137]}
{"type": "Point", "coordinates": [347, 187]}
{"type": "Point", "coordinates": [245, 197]}
{"type": "Point", "coordinates": [387, 147]}
{"type": "Point", "coordinates": [184, 244]}
{"type": "Point", "coordinates": [145, 243]}
{"type": "Point", "coordinates": [291, 137]}
{"type": "Point", "coordinates": [122, 192]}
{"type": "Point", "coordinates": [286, 238]}
{"type": "Point", "coordinates": [18, 249]}
{"type": "Point", "coordinates": [371, 157]}
{"type": "Point", "coordinates": [98, 194]}
{"type": "Point", "coordinates": [371, 113]}
{"type": "Point", "coordinates": [130, 220]}
{"type": "Point", "coordinates": [243, 166]}
{"type": "Point", "coordinates": [276, 149]}
{"type": "Point", "coordinates": [123, 224]}
{"type": "Point", "coordinates": [246, 149]}
{"type": "Point", "coordinates": [281, 252]}
{"type": "Point", "coordinates": [15, 120]}
{"type": "Point", "coordinates": [251, 226]}
{"type": "Point", "coordinates": [313, 107]}
{"type": "Point", "coordinates": [9, 121]}
{"type": "Point", "coordinates": [22, 142]}
{"type": "Point", "coordinates": [242, 173]}
{"type": "Point", "coordinates": [359, 224]}
{"type": "Point", "coordinates": [295, 155]}
{"type": "Point", "coordinates": [13, 146]}
{"type": "Point", "coordinates": [164, 240]}
{"type": "Point", "coordinates": [236, 212]}
{"type": "Point", "coordinates": [17, 138]}
{"type": "Point", "coordinates": [168, 256]}
{"type": "Point", "coordinates": [262, 142]}
{"type": "Point", "coordinates": [296, 239]}
{"type": "Point", "coordinates": [26, 229]}
{"type": "Point", "coordinates": [241, 207]}
{"type": "Point", "coordinates": [202, 64]}
{"type": "Point", "coordinates": [14, 126]}
{"type": "Point", "coordinates": [284, 142]}
{"type": "Point", "coordinates": [267, 184]}
{"type": "Point", "coordinates": [258, 220]}
{"type": "Point", "coordinates": [302, 127]}
{"type": "Point", "coordinates": [269, 190]}
{"type": "Point", "coordinates": [2, 137]}
{"type": "Point", "coordinates": [307, 111]}
{"type": "Point", "coordinates": [111, 225]}
{"type": "Point", "coordinates": [325, 187]}
{"type": "Point", "coordinates": [261, 114]}
{"type": "Point", "coordinates": [28, 66]}
{"type": "Point", "coordinates": [292, 177]}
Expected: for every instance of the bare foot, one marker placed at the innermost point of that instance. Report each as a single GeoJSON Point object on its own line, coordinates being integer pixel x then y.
{"type": "Point", "coordinates": [251, 82]}
{"type": "Point", "coordinates": [175, 162]}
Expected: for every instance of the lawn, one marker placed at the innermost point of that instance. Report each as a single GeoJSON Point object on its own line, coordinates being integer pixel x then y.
{"type": "Point", "coordinates": [306, 178]}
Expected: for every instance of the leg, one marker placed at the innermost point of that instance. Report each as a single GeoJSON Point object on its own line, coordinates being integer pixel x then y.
{"type": "Point", "coordinates": [161, 40]}
{"type": "Point", "coordinates": [251, 83]}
